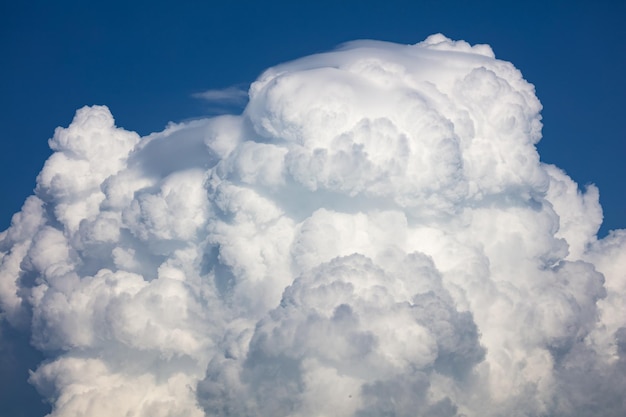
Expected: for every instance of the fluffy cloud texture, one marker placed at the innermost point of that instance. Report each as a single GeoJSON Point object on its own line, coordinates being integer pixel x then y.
{"type": "Point", "coordinates": [374, 236]}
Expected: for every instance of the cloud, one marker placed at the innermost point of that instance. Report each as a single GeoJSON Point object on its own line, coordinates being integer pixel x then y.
{"type": "Point", "coordinates": [374, 235]}
{"type": "Point", "coordinates": [229, 95]}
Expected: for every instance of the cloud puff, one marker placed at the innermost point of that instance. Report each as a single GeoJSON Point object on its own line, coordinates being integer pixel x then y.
{"type": "Point", "coordinates": [374, 235]}
{"type": "Point", "coordinates": [345, 335]}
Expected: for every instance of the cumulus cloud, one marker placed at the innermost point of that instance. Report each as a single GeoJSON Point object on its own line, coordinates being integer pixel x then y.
{"type": "Point", "coordinates": [374, 235]}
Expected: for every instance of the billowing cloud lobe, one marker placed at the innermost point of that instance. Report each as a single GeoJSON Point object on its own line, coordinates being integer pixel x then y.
{"type": "Point", "coordinates": [374, 235]}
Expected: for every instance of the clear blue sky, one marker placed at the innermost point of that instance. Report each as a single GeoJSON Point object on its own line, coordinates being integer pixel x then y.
{"type": "Point", "coordinates": [145, 59]}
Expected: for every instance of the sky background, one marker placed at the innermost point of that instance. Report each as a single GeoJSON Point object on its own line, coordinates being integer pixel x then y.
{"type": "Point", "coordinates": [145, 60]}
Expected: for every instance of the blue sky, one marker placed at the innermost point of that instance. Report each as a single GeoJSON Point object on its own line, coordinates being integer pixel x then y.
{"type": "Point", "coordinates": [145, 60]}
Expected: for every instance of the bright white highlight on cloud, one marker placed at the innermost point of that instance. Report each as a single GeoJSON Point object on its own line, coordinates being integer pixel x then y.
{"type": "Point", "coordinates": [374, 236]}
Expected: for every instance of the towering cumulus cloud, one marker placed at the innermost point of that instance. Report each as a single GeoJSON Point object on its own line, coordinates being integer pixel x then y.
{"type": "Point", "coordinates": [374, 236]}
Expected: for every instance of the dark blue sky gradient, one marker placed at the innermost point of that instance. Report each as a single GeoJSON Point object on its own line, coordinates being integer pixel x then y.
{"type": "Point", "coordinates": [145, 59]}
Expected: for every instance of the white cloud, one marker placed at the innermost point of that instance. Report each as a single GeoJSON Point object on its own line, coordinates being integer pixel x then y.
{"type": "Point", "coordinates": [374, 235]}
{"type": "Point", "coordinates": [228, 95]}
